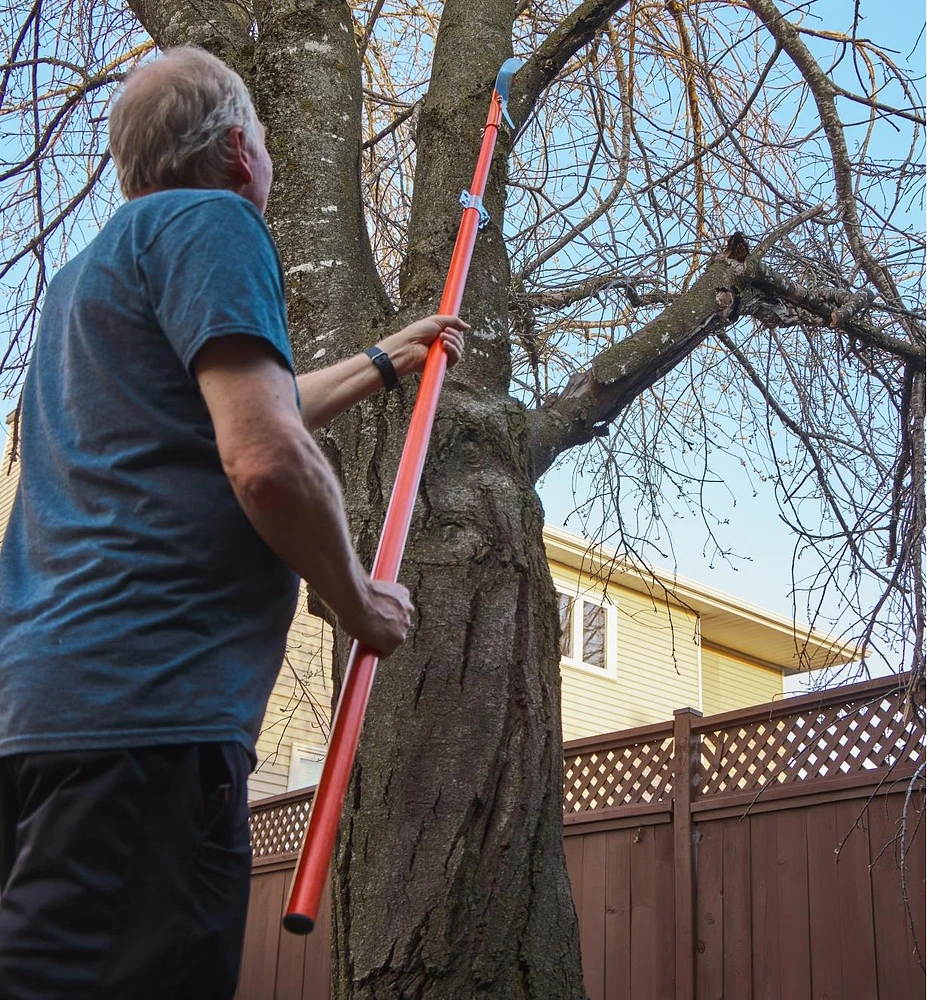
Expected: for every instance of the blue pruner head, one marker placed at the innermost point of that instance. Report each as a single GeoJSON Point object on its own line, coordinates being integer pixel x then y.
{"type": "Point", "coordinates": [504, 82]}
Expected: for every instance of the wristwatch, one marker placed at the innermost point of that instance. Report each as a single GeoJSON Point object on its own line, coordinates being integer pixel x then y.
{"type": "Point", "coordinates": [384, 366]}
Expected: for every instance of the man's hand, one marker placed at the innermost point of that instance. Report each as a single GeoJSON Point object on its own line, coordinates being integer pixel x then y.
{"type": "Point", "coordinates": [408, 349]}
{"type": "Point", "coordinates": [382, 622]}
{"type": "Point", "coordinates": [328, 392]}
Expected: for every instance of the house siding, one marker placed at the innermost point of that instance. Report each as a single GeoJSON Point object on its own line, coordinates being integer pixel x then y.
{"type": "Point", "coordinates": [730, 682]}
{"type": "Point", "coordinates": [8, 480]}
{"type": "Point", "coordinates": [657, 663]}
{"type": "Point", "coordinates": [299, 710]}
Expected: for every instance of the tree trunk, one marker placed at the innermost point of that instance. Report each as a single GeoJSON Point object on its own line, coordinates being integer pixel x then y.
{"type": "Point", "coordinates": [449, 879]}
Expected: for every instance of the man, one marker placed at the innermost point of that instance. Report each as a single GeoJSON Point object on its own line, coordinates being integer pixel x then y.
{"type": "Point", "coordinates": [171, 497]}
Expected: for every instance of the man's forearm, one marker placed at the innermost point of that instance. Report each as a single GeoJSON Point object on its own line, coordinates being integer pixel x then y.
{"type": "Point", "coordinates": [295, 505]}
{"type": "Point", "coordinates": [328, 393]}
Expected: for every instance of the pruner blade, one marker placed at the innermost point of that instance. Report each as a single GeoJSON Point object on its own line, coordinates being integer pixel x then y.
{"type": "Point", "coordinates": [503, 84]}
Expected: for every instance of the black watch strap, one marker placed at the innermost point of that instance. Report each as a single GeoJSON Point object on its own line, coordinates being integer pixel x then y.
{"type": "Point", "coordinates": [384, 366]}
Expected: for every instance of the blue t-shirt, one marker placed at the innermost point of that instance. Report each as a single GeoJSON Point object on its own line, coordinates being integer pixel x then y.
{"type": "Point", "coordinates": [138, 605]}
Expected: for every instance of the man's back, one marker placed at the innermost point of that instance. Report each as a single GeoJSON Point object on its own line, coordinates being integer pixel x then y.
{"type": "Point", "coordinates": [129, 574]}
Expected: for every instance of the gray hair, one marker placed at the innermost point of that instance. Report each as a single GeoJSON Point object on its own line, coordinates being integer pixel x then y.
{"type": "Point", "coordinates": [169, 127]}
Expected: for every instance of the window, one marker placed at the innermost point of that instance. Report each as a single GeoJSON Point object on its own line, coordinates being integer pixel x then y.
{"type": "Point", "coordinates": [305, 767]}
{"type": "Point", "coordinates": [587, 633]}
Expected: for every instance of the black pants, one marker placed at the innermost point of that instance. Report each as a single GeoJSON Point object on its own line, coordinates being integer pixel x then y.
{"type": "Point", "coordinates": [123, 873]}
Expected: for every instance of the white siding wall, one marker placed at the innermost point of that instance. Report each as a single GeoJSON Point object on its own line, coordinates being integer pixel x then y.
{"type": "Point", "coordinates": [657, 666]}
{"type": "Point", "coordinates": [8, 480]}
{"type": "Point", "coordinates": [299, 709]}
{"type": "Point", "coordinates": [731, 682]}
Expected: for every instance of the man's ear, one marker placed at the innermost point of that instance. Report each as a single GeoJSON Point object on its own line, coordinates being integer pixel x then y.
{"type": "Point", "coordinates": [240, 172]}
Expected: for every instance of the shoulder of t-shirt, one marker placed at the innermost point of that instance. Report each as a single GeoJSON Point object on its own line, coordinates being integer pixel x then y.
{"type": "Point", "coordinates": [166, 209]}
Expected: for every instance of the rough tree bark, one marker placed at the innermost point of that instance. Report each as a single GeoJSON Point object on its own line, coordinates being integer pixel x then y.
{"type": "Point", "coordinates": [449, 878]}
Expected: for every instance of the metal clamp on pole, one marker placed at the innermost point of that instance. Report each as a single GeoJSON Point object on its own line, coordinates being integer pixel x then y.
{"type": "Point", "coordinates": [474, 201]}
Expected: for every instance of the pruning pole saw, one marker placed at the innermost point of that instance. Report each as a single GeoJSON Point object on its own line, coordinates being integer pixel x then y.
{"type": "Point", "coordinates": [302, 907]}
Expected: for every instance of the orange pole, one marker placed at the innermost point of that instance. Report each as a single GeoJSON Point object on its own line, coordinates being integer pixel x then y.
{"type": "Point", "coordinates": [315, 857]}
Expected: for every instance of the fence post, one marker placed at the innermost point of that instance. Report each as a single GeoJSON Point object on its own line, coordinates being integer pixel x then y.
{"type": "Point", "coordinates": [685, 762]}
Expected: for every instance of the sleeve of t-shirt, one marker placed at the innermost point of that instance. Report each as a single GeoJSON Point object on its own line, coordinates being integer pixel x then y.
{"type": "Point", "coordinates": [213, 270]}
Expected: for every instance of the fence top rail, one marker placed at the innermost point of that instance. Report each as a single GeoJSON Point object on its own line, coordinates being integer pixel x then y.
{"type": "Point", "coordinates": [285, 798]}
{"type": "Point", "coordinates": [622, 738]}
{"type": "Point", "coordinates": [879, 687]}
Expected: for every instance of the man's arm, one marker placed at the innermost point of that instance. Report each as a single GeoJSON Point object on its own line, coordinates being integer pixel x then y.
{"type": "Point", "coordinates": [329, 392]}
{"type": "Point", "coordinates": [287, 489]}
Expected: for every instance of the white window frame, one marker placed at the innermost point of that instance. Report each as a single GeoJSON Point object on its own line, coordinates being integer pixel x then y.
{"type": "Point", "coordinates": [298, 750]}
{"type": "Point", "coordinates": [578, 596]}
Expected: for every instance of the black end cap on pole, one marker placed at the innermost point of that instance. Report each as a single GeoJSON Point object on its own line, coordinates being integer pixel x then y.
{"type": "Point", "coordinates": [298, 923]}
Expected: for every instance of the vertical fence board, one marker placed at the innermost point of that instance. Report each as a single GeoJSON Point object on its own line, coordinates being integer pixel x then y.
{"type": "Point", "coordinates": [792, 893]}
{"type": "Point", "coordinates": [893, 950]}
{"type": "Point", "coordinates": [664, 850]}
{"type": "Point", "coordinates": [916, 889]}
{"type": "Point", "coordinates": [685, 760]}
{"type": "Point", "coordinates": [857, 937]}
{"type": "Point", "coordinates": [291, 957]}
{"type": "Point", "coordinates": [644, 948]}
{"type": "Point", "coordinates": [317, 968]}
{"type": "Point", "coordinates": [709, 912]}
{"type": "Point", "coordinates": [824, 903]}
{"type": "Point", "coordinates": [618, 916]}
{"type": "Point", "coordinates": [262, 937]}
{"type": "Point", "coordinates": [592, 914]}
{"type": "Point", "coordinates": [738, 910]}
{"type": "Point", "coordinates": [765, 908]}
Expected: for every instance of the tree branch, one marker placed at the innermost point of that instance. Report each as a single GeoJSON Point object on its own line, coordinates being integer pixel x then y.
{"type": "Point", "coordinates": [849, 534]}
{"type": "Point", "coordinates": [574, 31]}
{"type": "Point", "coordinates": [837, 307]}
{"type": "Point", "coordinates": [823, 91]}
{"type": "Point", "coordinates": [568, 295]}
{"type": "Point", "coordinates": [221, 28]}
{"type": "Point", "coordinates": [593, 399]}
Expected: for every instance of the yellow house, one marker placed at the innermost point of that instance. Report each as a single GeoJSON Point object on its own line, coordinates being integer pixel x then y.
{"type": "Point", "coordinates": [637, 643]}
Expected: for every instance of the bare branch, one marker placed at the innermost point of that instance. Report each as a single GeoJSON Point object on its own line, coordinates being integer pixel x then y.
{"type": "Point", "coordinates": [823, 91]}
{"type": "Point", "coordinates": [836, 307]}
{"type": "Point", "coordinates": [595, 397]}
{"type": "Point", "coordinates": [549, 58]}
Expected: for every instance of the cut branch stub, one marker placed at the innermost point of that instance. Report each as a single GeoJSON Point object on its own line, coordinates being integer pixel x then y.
{"type": "Point", "coordinates": [592, 399]}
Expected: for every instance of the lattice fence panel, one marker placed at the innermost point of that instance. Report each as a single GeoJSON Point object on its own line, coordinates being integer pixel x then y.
{"type": "Point", "coordinates": [279, 829]}
{"type": "Point", "coordinates": [623, 776]}
{"type": "Point", "coordinates": [831, 742]}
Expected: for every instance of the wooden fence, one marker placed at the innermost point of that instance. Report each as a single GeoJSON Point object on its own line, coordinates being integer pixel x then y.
{"type": "Point", "coordinates": [776, 852]}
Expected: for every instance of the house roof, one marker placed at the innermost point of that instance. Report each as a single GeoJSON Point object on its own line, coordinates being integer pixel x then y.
{"type": "Point", "coordinates": [726, 621]}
